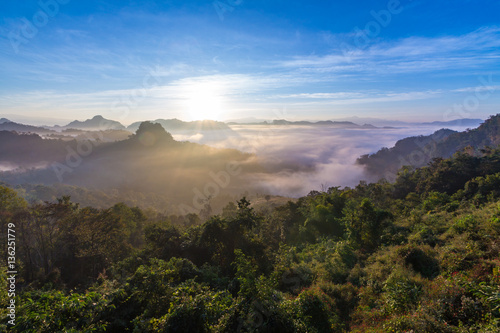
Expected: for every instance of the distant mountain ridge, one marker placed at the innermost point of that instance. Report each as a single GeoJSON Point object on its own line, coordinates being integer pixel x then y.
{"type": "Point", "coordinates": [466, 122]}
{"type": "Point", "coordinates": [420, 150]}
{"type": "Point", "coordinates": [331, 123]}
{"type": "Point", "coordinates": [7, 125]}
{"type": "Point", "coordinates": [353, 122]}
{"type": "Point", "coordinates": [179, 125]}
{"type": "Point", "coordinates": [462, 122]}
{"type": "Point", "coordinates": [96, 123]}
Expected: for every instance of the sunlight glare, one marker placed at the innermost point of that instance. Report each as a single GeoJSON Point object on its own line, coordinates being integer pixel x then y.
{"type": "Point", "coordinates": [204, 101]}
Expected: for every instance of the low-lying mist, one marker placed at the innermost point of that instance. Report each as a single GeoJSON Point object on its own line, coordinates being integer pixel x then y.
{"type": "Point", "coordinates": [298, 159]}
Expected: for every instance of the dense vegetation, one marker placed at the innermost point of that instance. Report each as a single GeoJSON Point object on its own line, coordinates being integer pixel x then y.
{"type": "Point", "coordinates": [417, 255]}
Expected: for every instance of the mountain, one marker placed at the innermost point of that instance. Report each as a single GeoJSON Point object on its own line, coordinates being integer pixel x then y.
{"type": "Point", "coordinates": [173, 125]}
{"type": "Point", "coordinates": [465, 122]}
{"type": "Point", "coordinates": [420, 150]}
{"type": "Point", "coordinates": [6, 125]}
{"type": "Point", "coordinates": [330, 123]}
{"type": "Point", "coordinates": [96, 123]}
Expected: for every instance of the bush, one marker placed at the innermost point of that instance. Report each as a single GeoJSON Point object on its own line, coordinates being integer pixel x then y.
{"type": "Point", "coordinates": [416, 323]}
{"type": "Point", "coordinates": [316, 311]}
{"type": "Point", "coordinates": [401, 292]}
{"type": "Point", "coordinates": [421, 260]}
{"type": "Point", "coordinates": [192, 308]}
{"type": "Point", "coordinates": [345, 297]}
{"type": "Point", "coordinates": [435, 200]}
{"type": "Point", "coordinates": [465, 224]}
{"type": "Point", "coordinates": [425, 235]}
{"type": "Point", "coordinates": [53, 311]}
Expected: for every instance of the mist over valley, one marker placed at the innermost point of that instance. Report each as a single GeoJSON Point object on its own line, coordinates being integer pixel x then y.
{"type": "Point", "coordinates": [188, 164]}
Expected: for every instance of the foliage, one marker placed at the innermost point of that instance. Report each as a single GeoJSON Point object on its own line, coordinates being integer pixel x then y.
{"type": "Point", "coordinates": [417, 255]}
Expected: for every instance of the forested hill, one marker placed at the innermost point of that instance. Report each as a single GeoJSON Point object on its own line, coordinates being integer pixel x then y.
{"type": "Point", "coordinates": [26, 150]}
{"type": "Point", "coordinates": [150, 161]}
{"type": "Point", "coordinates": [419, 151]}
{"type": "Point", "coordinates": [418, 255]}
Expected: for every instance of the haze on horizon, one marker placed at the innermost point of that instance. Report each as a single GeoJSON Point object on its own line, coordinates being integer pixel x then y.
{"type": "Point", "coordinates": [130, 61]}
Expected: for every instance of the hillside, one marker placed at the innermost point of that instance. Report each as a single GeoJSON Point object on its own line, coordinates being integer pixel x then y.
{"type": "Point", "coordinates": [25, 150]}
{"type": "Point", "coordinates": [409, 256]}
{"type": "Point", "coordinates": [419, 151]}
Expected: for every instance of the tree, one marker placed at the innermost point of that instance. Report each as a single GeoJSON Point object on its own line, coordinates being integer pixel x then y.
{"type": "Point", "coordinates": [11, 209]}
{"type": "Point", "coordinates": [92, 240]}
{"type": "Point", "coordinates": [41, 234]}
{"type": "Point", "coordinates": [365, 224]}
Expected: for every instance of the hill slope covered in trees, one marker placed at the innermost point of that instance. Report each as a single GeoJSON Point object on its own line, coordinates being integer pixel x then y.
{"type": "Point", "coordinates": [419, 151]}
{"type": "Point", "coordinates": [420, 254]}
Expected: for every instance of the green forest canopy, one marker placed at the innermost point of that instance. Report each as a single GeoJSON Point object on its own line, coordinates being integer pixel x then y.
{"type": "Point", "coordinates": [418, 254]}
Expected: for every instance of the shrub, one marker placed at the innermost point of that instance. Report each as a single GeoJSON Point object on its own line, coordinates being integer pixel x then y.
{"type": "Point", "coordinates": [52, 311]}
{"type": "Point", "coordinates": [192, 308]}
{"type": "Point", "coordinates": [465, 224]}
{"type": "Point", "coordinates": [416, 323]}
{"type": "Point", "coordinates": [314, 311]}
{"type": "Point", "coordinates": [421, 260]}
{"type": "Point", "coordinates": [425, 235]}
{"type": "Point", "coordinates": [345, 297]}
{"type": "Point", "coordinates": [401, 292]}
{"type": "Point", "coordinates": [435, 200]}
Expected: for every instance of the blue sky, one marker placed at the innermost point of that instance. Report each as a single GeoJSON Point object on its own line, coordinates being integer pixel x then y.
{"type": "Point", "coordinates": [135, 60]}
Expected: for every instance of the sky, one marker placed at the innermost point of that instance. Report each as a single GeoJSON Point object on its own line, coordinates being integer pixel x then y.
{"type": "Point", "coordinates": [417, 60]}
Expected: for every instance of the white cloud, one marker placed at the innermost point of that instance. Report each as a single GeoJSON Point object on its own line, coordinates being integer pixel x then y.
{"type": "Point", "coordinates": [343, 98]}
{"type": "Point", "coordinates": [478, 89]}
{"type": "Point", "coordinates": [412, 54]}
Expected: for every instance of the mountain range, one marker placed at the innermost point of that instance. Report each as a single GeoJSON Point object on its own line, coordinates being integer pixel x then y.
{"type": "Point", "coordinates": [330, 123]}
{"type": "Point", "coordinates": [99, 123]}
{"type": "Point", "coordinates": [173, 125]}
{"type": "Point", "coordinates": [355, 121]}
{"type": "Point", "coordinates": [152, 160]}
{"type": "Point", "coordinates": [462, 122]}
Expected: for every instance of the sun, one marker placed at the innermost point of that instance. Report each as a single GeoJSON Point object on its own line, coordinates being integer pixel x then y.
{"type": "Point", "coordinates": [204, 101]}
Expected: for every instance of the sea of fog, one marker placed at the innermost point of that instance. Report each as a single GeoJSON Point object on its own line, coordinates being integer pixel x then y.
{"type": "Point", "coordinates": [299, 159]}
